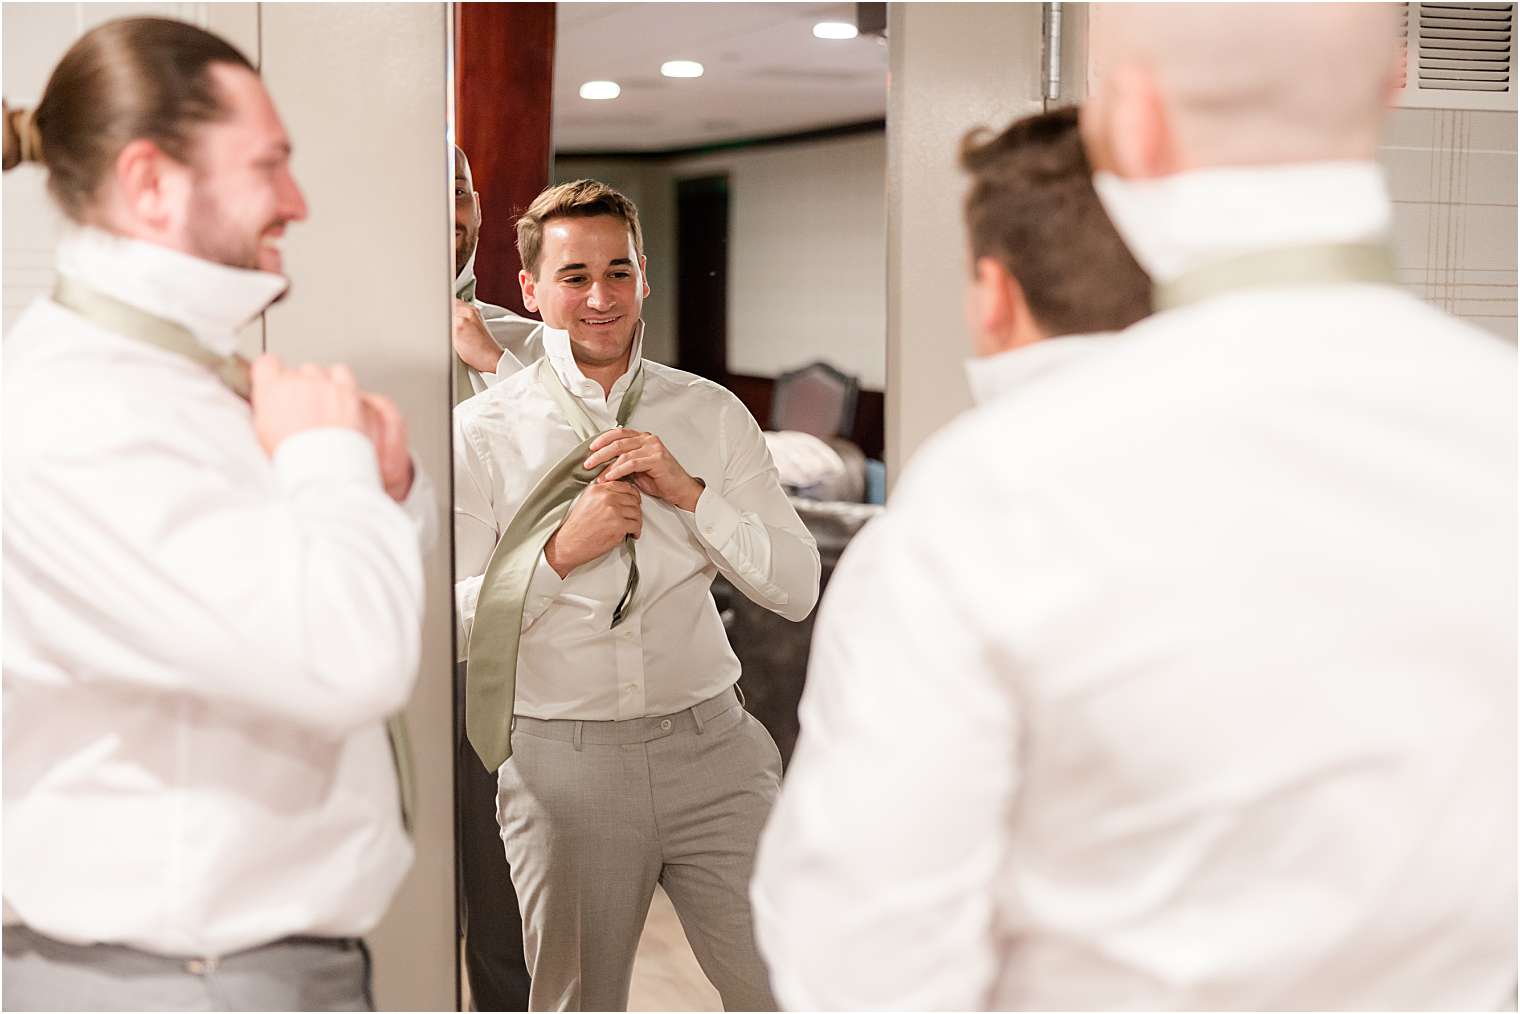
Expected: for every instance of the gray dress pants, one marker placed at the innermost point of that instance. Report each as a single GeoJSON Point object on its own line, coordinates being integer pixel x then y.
{"type": "Point", "coordinates": [594, 814]}
{"type": "Point", "coordinates": [306, 974]}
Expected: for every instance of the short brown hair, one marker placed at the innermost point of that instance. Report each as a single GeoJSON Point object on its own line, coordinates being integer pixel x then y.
{"type": "Point", "coordinates": [1032, 207]}
{"type": "Point", "coordinates": [127, 79]}
{"type": "Point", "coordinates": [577, 199]}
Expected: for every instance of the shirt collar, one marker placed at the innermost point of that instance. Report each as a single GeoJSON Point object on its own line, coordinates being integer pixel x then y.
{"type": "Point", "coordinates": [213, 301]}
{"type": "Point", "coordinates": [464, 282]}
{"type": "Point", "coordinates": [993, 376]}
{"type": "Point", "coordinates": [557, 350]}
{"type": "Point", "coordinates": [1175, 223]}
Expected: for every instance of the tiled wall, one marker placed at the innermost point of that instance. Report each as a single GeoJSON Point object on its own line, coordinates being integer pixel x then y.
{"type": "Point", "coordinates": [1452, 175]}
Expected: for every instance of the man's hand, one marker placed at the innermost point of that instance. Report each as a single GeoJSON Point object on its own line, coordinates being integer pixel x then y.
{"type": "Point", "coordinates": [386, 429]}
{"type": "Point", "coordinates": [597, 522]}
{"type": "Point", "coordinates": [290, 401]}
{"type": "Point", "coordinates": [472, 340]}
{"type": "Point", "coordinates": [642, 457]}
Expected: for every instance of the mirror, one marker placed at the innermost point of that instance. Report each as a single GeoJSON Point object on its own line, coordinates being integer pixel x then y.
{"type": "Point", "coordinates": [753, 144]}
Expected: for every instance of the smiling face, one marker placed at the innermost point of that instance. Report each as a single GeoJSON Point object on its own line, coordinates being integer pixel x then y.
{"type": "Point", "coordinates": [589, 282]}
{"type": "Point", "coordinates": [242, 194]}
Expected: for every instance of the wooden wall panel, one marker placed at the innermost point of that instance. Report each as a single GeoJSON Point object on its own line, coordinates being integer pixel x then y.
{"type": "Point", "coordinates": [503, 92]}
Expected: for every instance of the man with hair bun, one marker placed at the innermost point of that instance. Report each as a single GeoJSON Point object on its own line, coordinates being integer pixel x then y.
{"type": "Point", "coordinates": [597, 495]}
{"type": "Point", "coordinates": [213, 594]}
{"type": "Point", "coordinates": [1182, 674]}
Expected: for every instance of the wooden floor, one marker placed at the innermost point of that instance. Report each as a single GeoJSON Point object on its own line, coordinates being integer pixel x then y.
{"type": "Point", "coordinates": [665, 972]}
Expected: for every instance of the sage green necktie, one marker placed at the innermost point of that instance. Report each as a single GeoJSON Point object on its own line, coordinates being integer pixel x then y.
{"type": "Point", "coordinates": [491, 658]}
{"type": "Point", "coordinates": [1314, 264]}
{"type": "Point", "coordinates": [133, 322]}
{"type": "Point", "coordinates": [125, 319]}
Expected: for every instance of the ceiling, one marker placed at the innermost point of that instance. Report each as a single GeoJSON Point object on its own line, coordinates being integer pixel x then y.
{"type": "Point", "coordinates": [765, 73]}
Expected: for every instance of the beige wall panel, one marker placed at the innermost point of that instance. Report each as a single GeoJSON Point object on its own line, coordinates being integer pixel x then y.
{"type": "Point", "coordinates": [954, 67]}
{"type": "Point", "coordinates": [363, 89]}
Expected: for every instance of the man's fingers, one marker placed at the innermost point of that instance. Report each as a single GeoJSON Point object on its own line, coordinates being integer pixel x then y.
{"type": "Point", "coordinates": [612, 449]}
{"type": "Point", "coordinates": [623, 492]}
{"type": "Point", "coordinates": [343, 377]}
{"type": "Point", "coordinates": [265, 368]}
{"type": "Point", "coordinates": [618, 469]}
{"type": "Point", "coordinates": [383, 406]}
{"type": "Point", "coordinates": [610, 453]}
{"type": "Point", "coordinates": [606, 438]}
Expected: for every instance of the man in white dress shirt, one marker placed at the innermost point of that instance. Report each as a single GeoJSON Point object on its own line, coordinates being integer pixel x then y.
{"type": "Point", "coordinates": [1198, 691]}
{"type": "Point", "coordinates": [633, 762]}
{"type": "Point", "coordinates": [490, 341]}
{"type": "Point", "coordinates": [210, 609]}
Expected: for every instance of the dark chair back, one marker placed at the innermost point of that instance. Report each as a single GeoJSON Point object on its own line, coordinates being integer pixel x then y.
{"type": "Point", "coordinates": [816, 399]}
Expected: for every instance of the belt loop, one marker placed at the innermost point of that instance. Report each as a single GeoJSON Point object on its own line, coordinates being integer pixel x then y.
{"type": "Point", "coordinates": [696, 716]}
{"type": "Point", "coordinates": [577, 738]}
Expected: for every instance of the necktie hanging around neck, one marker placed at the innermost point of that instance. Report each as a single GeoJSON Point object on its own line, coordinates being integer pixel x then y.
{"type": "Point", "coordinates": [126, 319]}
{"type": "Point", "coordinates": [491, 665]}
{"type": "Point", "coordinates": [133, 322]}
{"type": "Point", "coordinates": [1314, 264]}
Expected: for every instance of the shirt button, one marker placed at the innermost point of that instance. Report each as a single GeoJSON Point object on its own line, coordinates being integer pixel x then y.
{"type": "Point", "coordinates": [630, 688]}
{"type": "Point", "coordinates": [665, 724]}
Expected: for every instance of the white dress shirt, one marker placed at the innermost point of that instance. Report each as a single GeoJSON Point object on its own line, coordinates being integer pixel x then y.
{"type": "Point", "coordinates": [1181, 675]}
{"type": "Point", "coordinates": [670, 652]}
{"type": "Point", "coordinates": [991, 377]}
{"type": "Point", "coordinates": [201, 644]}
{"type": "Point", "coordinates": [519, 338]}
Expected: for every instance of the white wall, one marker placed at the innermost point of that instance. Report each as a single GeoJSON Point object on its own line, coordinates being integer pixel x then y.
{"type": "Point", "coordinates": [807, 261]}
{"type": "Point", "coordinates": [807, 234]}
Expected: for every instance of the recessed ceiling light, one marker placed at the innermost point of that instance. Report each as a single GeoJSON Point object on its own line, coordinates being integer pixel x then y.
{"type": "Point", "coordinates": [600, 90]}
{"type": "Point", "coordinates": [681, 68]}
{"type": "Point", "coordinates": [834, 30]}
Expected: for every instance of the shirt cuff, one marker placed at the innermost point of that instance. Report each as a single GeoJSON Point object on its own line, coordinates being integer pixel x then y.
{"type": "Point", "coordinates": [714, 520]}
{"type": "Point", "coordinates": [331, 453]}
{"type": "Point", "coordinates": [543, 586]}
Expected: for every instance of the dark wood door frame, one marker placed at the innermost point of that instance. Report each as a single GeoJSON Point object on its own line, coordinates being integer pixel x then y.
{"type": "Point", "coordinates": [503, 92]}
{"type": "Point", "coordinates": [702, 266]}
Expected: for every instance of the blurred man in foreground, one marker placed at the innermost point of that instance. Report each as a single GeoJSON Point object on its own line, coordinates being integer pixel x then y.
{"type": "Point", "coordinates": [1197, 687]}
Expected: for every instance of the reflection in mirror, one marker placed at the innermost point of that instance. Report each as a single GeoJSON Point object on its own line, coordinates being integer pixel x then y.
{"type": "Point", "coordinates": [751, 153]}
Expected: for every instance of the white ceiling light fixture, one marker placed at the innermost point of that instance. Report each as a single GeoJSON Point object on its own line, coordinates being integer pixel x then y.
{"type": "Point", "coordinates": [681, 68]}
{"type": "Point", "coordinates": [834, 30]}
{"type": "Point", "coordinates": [600, 90]}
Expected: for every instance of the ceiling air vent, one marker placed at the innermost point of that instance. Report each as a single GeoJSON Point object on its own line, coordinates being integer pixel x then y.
{"type": "Point", "coordinates": [1459, 56]}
